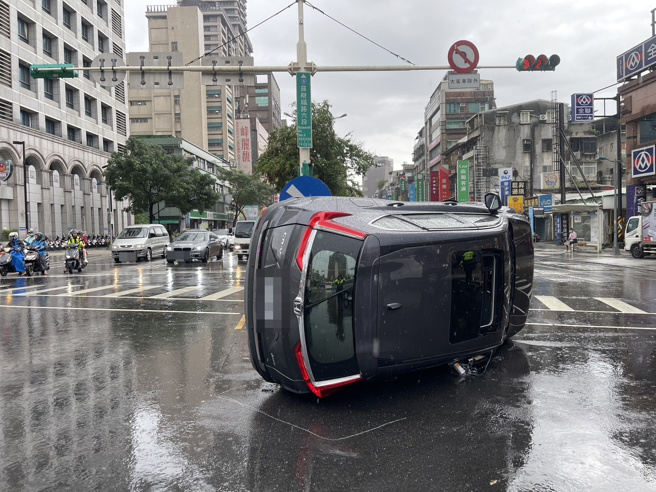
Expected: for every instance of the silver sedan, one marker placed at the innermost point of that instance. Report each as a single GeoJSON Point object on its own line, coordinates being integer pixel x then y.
{"type": "Point", "coordinates": [195, 245]}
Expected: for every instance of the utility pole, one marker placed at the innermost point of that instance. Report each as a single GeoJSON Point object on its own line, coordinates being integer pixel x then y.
{"type": "Point", "coordinates": [303, 105]}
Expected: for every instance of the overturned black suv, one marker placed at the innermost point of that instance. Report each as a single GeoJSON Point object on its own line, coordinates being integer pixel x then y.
{"type": "Point", "coordinates": [341, 289]}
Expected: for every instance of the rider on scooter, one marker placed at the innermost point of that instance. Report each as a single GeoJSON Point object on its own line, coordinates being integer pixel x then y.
{"type": "Point", "coordinates": [77, 240]}
{"type": "Point", "coordinates": [17, 255]}
{"type": "Point", "coordinates": [42, 248]}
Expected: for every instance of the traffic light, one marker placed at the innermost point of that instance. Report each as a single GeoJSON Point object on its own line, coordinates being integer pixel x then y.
{"type": "Point", "coordinates": [530, 63]}
{"type": "Point", "coordinates": [57, 71]}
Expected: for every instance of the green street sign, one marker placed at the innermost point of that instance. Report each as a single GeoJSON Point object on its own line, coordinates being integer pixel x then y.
{"type": "Point", "coordinates": [463, 181]}
{"type": "Point", "coordinates": [303, 110]}
{"type": "Point", "coordinates": [56, 71]}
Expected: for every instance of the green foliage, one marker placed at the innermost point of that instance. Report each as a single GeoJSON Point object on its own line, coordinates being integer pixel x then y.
{"type": "Point", "coordinates": [381, 184]}
{"type": "Point", "coordinates": [5, 233]}
{"type": "Point", "coordinates": [333, 157]}
{"type": "Point", "coordinates": [247, 189]}
{"type": "Point", "coordinates": [140, 218]}
{"type": "Point", "coordinates": [146, 176]}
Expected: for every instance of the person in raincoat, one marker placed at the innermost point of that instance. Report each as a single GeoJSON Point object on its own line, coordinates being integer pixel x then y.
{"type": "Point", "coordinates": [17, 254]}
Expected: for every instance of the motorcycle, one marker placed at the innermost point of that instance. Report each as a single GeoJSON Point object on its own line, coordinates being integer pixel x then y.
{"type": "Point", "coordinates": [33, 262]}
{"type": "Point", "coordinates": [5, 262]}
{"type": "Point", "coordinates": [73, 258]}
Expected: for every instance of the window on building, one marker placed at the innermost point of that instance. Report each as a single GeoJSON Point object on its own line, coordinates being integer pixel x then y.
{"type": "Point", "coordinates": [24, 79]}
{"type": "Point", "coordinates": [455, 124]}
{"type": "Point", "coordinates": [526, 145]}
{"type": "Point", "coordinates": [71, 98]}
{"type": "Point", "coordinates": [69, 55]}
{"type": "Point", "coordinates": [648, 129]}
{"type": "Point", "coordinates": [52, 126]}
{"type": "Point", "coordinates": [525, 118]}
{"type": "Point", "coordinates": [45, 5]}
{"type": "Point", "coordinates": [47, 45]}
{"type": "Point", "coordinates": [262, 101]}
{"type": "Point", "coordinates": [101, 9]}
{"type": "Point", "coordinates": [87, 31]}
{"type": "Point", "coordinates": [92, 140]}
{"type": "Point", "coordinates": [66, 17]}
{"type": "Point", "coordinates": [89, 106]}
{"type": "Point", "coordinates": [105, 113]}
{"type": "Point", "coordinates": [23, 30]}
{"type": "Point", "coordinates": [176, 99]}
{"type": "Point", "coordinates": [26, 117]}
{"type": "Point", "coordinates": [49, 89]}
{"type": "Point", "coordinates": [174, 46]}
{"type": "Point", "coordinates": [546, 145]}
{"type": "Point", "coordinates": [501, 118]}
{"type": "Point", "coordinates": [102, 43]}
{"type": "Point", "coordinates": [72, 133]}
{"type": "Point", "coordinates": [108, 145]}
{"type": "Point", "coordinates": [138, 120]}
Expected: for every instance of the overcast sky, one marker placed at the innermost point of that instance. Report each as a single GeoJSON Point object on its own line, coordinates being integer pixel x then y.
{"type": "Point", "coordinates": [385, 109]}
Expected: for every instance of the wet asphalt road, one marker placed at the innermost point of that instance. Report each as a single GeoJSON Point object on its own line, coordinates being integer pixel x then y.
{"type": "Point", "coordinates": [136, 377]}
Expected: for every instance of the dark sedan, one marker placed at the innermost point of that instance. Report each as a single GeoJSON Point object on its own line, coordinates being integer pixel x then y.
{"type": "Point", "coordinates": [342, 289]}
{"type": "Point", "coordinates": [195, 245]}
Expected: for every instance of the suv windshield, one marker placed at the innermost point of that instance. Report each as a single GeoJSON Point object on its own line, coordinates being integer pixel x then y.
{"type": "Point", "coordinates": [244, 229]}
{"type": "Point", "coordinates": [329, 299]}
{"type": "Point", "coordinates": [133, 232]}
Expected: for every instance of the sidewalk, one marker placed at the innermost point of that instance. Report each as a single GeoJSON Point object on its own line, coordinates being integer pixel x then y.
{"type": "Point", "coordinates": [607, 256]}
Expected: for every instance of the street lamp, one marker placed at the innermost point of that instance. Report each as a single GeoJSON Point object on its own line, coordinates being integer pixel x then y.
{"type": "Point", "coordinates": [27, 217]}
{"type": "Point", "coordinates": [618, 200]}
{"type": "Point", "coordinates": [338, 117]}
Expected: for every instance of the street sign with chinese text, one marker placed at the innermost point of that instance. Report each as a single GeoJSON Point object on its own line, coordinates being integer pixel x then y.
{"type": "Point", "coordinates": [421, 195]}
{"type": "Point", "coordinates": [304, 110]}
{"type": "Point", "coordinates": [582, 107]}
{"type": "Point", "coordinates": [463, 181]}
{"type": "Point", "coordinates": [516, 202]}
{"type": "Point", "coordinates": [505, 178]}
{"type": "Point", "coordinates": [637, 59]}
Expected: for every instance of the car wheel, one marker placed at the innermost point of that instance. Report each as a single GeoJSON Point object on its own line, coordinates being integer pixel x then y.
{"type": "Point", "coordinates": [220, 255]}
{"type": "Point", "coordinates": [149, 255]}
{"type": "Point", "coordinates": [116, 260]}
{"type": "Point", "coordinates": [239, 257]}
{"type": "Point", "coordinates": [3, 271]}
{"type": "Point", "coordinates": [29, 270]}
{"type": "Point", "coordinates": [169, 261]}
{"type": "Point", "coordinates": [636, 251]}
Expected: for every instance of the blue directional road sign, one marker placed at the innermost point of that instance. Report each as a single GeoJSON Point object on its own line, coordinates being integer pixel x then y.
{"type": "Point", "coordinates": [582, 107]}
{"type": "Point", "coordinates": [304, 186]}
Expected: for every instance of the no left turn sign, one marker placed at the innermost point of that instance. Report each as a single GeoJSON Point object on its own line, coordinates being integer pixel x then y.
{"type": "Point", "coordinates": [463, 56]}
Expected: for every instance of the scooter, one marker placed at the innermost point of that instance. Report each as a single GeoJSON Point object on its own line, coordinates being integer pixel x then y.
{"type": "Point", "coordinates": [72, 258]}
{"type": "Point", "coordinates": [33, 262]}
{"type": "Point", "coordinates": [5, 263]}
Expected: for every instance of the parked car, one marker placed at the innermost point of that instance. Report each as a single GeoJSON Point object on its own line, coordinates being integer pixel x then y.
{"type": "Point", "coordinates": [343, 290]}
{"type": "Point", "coordinates": [195, 245]}
{"type": "Point", "coordinates": [140, 241]}
{"type": "Point", "coordinates": [226, 237]}
{"type": "Point", "coordinates": [243, 233]}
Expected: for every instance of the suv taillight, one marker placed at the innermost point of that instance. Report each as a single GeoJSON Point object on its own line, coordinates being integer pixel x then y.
{"type": "Point", "coordinates": [320, 390]}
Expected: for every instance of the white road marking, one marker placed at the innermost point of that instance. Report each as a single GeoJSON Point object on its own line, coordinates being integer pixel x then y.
{"type": "Point", "coordinates": [592, 327]}
{"type": "Point", "coordinates": [553, 303]}
{"type": "Point", "coordinates": [160, 311]}
{"type": "Point", "coordinates": [621, 306]}
{"type": "Point", "coordinates": [84, 291]}
{"type": "Point", "coordinates": [132, 291]}
{"type": "Point", "coordinates": [166, 295]}
{"type": "Point", "coordinates": [223, 293]}
{"type": "Point", "coordinates": [51, 289]}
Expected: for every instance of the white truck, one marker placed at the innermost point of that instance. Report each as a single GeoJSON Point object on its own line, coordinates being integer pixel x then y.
{"type": "Point", "coordinates": [243, 232]}
{"type": "Point", "coordinates": [640, 232]}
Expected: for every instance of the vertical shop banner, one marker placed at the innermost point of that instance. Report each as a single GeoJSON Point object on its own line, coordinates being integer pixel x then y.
{"type": "Point", "coordinates": [445, 194]}
{"type": "Point", "coordinates": [463, 181]}
{"type": "Point", "coordinates": [412, 192]}
{"type": "Point", "coordinates": [505, 177]}
{"type": "Point", "coordinates": [243, 154]}
{"type": "Point", "coordinates": [434, 186]}
{"type": "Point", "coordinates": [421, 188]}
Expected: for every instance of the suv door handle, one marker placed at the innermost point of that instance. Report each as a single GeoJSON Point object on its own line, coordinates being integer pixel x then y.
{"type": "Point", "coordinates": [393, 306]}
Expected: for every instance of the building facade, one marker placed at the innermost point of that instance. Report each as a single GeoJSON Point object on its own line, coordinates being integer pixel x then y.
{"type": "Point", "coordinates": [379, 174]}
{"type": "Point", "coordinates": [62, 130]}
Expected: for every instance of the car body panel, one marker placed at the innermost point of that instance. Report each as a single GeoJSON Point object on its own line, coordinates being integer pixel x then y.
{"type": "Point", "coordinates": [377, 288]}
{"type": "Point", "coordinates": [194, 245]}
{"type": "Point", "coordinates": [135, 241]}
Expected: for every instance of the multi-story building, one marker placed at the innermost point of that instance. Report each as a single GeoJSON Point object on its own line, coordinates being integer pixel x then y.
{"type": "Point", "coordinates": [378, 176]}
{"type": "Point", "coordinates": [62, 130]}
{"type": "Point", "coordinates": [203, 114]}
{"type": "Point", "coordinates": [445, 118]}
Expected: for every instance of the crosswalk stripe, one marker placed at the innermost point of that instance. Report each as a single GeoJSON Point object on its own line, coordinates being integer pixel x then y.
{"type": "Point", "coordinates": [166, 295]}
{"type": "Point", "coordinates": [21, 288]}
{"type": "Point", "coordinates": [553, 303]}
{"type": "Point", "coordinates": [84, 291]}
{"type": "Point", "coordinates": [223, 293]}
{"type": "Point", "coordinates": [133, 291]}
{"type": "Point", "coordinates": [621, 306]}
{"type": "Point", "coordinates": [51, 289]}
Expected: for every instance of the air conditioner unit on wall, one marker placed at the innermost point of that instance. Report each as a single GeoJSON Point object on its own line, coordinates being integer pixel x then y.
{"type": "Point", "coordinates": [543, 117]}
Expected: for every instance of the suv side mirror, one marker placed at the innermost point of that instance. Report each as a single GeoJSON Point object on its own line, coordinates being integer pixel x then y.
{"type": "Point", "coordinates": [492, 202]}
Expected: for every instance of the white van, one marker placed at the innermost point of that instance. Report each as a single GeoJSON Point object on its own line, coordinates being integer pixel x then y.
{"type": "Point", "coordinates": [140, 241]}
{"type": "Point", "coordinates": [243, 232]}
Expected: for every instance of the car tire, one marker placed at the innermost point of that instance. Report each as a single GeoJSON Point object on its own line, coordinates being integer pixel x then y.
{"type": "Point", "coordinates": [239, 257]}
{"type": "Point", "coordinates": [636, 251]}
{"type": "Point", "coordinates": [149, 255]}
{"type": "Point", "coordinates": [169, 261]}
{"type": "Point", "coordinates": [116, 260]}
{"type": "Point", "coordinates": [220, 255]}
{"type": "Point", "coordinates": [3, 271]}
{"type": "Point", "coordinates": [206, 256]}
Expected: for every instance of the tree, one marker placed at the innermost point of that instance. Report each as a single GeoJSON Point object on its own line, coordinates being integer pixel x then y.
{"type": "Point", "coordinates": [333, 157]}
{"type": "Point", "coordinates": [247, 189]}
{"type": "Point", "coordinates": [146, 175]}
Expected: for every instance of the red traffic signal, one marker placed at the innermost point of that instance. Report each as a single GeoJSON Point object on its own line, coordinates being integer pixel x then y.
{"type": "Point", "coordinates": [529, 63]}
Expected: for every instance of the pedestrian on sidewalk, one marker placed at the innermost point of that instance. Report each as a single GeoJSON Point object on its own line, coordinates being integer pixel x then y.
{"type": "Point", "coordinates": [572, 240]}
